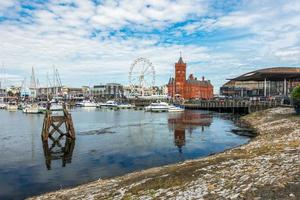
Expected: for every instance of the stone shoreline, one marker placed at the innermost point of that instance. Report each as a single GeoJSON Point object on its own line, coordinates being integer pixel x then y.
{"type": "Point", "coordinates": [268, 167]}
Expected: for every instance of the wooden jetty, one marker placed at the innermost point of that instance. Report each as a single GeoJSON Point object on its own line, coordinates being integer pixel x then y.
{"type": "Point", "coordinates": [233, 106]}
{"type": "Point", "coordinates": [54, 124]}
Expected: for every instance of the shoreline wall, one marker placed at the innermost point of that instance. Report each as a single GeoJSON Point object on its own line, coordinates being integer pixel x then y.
{"type": "Point", "coordinates": [265, 168]}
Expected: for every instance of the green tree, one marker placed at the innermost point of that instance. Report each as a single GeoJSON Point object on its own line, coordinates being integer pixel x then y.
{"type": "Point", "coordinates": [10, 93]}
{"type": "Point", "coordinates": [296, 98]}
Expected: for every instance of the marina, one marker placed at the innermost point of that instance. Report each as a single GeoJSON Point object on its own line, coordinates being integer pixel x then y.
{"type": "Point", "coordinates": [108, 143]}
{"type": "Point", "coordinates": [149, 100]}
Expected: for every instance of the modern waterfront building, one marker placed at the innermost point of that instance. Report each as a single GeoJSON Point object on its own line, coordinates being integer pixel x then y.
{"type": "Point", "coordinates": [109, 90]}
{"type": "Point", "coordinates": [191, 88]}
{"type": "Point", "coordinates": [44, 92]}
{"type": "Point", "coordinates": [268, 82]}
{"type": "Point", "coordinates": [63, 92]}
{"type": "Point", "coordinates": [73, 92]}
{"type": "Point", "coordinates": [98, 90]}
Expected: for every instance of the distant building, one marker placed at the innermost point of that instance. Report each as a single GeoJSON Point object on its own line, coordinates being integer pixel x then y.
{"type": "Point", "coordinates": [25, 92]}
{"type": "Point", "coordinates": [63, 92]}
{"type": "Point", "coordinates": [98, 90]}
{"type": "Point", "coordinates": [269, 82]}
{"type": "Point", "coordinates": [160, 90]}
{"type": "Point", "coordinates": [73, 93]}
{"type": "Point", "coordinates": [44, 92]}
{"type": "Point", "coordinates": [110, 90]}
{"type": "Point", "coordinates": [13, 91]}
{"type": "Point", "coordinates": [2, 92]}
{"type": "Point", "coordinates": [188, 89]}
{"type": "Point", "coordinates": [114, 90]}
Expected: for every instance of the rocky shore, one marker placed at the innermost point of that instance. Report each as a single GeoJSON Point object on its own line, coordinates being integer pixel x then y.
{"type": "Point", "coordinates": [268, 167]}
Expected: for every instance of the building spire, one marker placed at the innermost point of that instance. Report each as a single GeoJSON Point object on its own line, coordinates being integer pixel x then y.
{"type": "Point", "coordinates": [180, 61]}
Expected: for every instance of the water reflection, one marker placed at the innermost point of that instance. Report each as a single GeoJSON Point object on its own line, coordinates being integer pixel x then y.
{"type": "Point", "coordinates": [187, 121]}
{"type": "Point", "coordinates": [61, 148]}
{"type": "Point", "coordinates": [108, 144]}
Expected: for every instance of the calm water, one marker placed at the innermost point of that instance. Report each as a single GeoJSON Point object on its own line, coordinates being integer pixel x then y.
{"type": "Point", "coordinates": [108, 143]}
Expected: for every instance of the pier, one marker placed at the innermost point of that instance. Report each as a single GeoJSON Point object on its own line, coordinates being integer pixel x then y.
{"type": "Point", "coordinates": [232, 106]}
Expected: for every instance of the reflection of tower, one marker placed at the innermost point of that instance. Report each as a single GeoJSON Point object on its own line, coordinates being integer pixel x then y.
{"type": "Point", "coordinates": [179, 139]}
{"type": "Point", "coordinates": [56, 151]}
{"type": "Point", "coordinates": [188, 120]}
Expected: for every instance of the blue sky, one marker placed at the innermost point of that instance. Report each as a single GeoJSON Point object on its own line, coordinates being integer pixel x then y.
{"type": "Point", "coordinates": [96, 41]}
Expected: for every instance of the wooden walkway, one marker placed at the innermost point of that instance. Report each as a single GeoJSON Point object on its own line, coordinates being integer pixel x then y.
{"type": "Point", "coordinates": [231, 105]}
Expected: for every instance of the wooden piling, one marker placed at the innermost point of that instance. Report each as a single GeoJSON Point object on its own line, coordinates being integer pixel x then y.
{"type": "Point", "coordinates": [53, 124]}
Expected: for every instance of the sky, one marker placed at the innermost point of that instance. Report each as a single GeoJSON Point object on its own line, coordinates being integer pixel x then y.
{"type": "Point", "coordinates": [96, 41]}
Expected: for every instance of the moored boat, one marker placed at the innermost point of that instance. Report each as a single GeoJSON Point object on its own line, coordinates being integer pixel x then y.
{"type": "Point", "coordinates": [12, 106]}
{"type": "Point", "coordinates": [173, 108]}
{"type": "Point", "coordinates": [56, 107]}
{"type": "Point", "coordinates": [3, 106]}
{"type": "Point", "coordinates": [158, 107]}
{"type": "Point", "coordinates": [32, 109]}
{"type": "Point", "coordinates": [108, 104]}
{"type": "Point", "coordinates": [87, 103]}
{"type": "Point", "coordinates": [125, 106]}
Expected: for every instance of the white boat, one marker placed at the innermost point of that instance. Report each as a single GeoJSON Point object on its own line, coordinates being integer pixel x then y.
{"type": "Point", "coordinates": [42, 109]}
{"type": "Point", "coordinates": [12, 106]}
{"type": "Point", "coordinates": [56, 107]}
{"type": "Point", "coordinates": [32, 109]}
{"type": "Point", "coordinates": [87, 103]}
{"type": "Point", "coordinates": [173, 108]}
{"type": "Point", "coordinates": [109, 104]}
{"type": "Point", "coordinates": [158, 107]}
{"type": "Point", "coordinates": [125, 106]}
{"type": "Point", "coordinates": [3, 106]}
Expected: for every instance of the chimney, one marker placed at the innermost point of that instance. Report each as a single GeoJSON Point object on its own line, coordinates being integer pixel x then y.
{"type": "Point", "coordinates": [191, 77]}
{"type": "Point", "coordinates": [203, 78]}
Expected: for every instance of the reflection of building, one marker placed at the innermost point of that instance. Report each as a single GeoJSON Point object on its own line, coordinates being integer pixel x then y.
{"type": "Point", "coordinates": [188, 120]}
{"type": "Point", "coordinates": [278, 81]}
{"type": "Point", "coordinates": [58, 151]}
{"type": "Point", "coordinates": [188, 89]}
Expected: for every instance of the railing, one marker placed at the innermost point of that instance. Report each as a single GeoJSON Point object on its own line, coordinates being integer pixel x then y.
{"type": "Point", "coordinates": [231, 105]}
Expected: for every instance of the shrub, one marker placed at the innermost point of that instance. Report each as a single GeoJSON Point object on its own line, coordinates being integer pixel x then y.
{"type": "Point", "coordinates": [296, 98]}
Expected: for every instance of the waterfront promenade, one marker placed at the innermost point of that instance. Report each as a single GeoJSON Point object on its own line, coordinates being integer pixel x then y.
{"type": "Point", "coordinates": [265, 168]}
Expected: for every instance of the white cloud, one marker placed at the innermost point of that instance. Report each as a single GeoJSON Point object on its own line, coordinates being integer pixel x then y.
{"type": "Point", "coordinates": [61, 35]}
{"type": "Point", "coordinates": [6, 4]}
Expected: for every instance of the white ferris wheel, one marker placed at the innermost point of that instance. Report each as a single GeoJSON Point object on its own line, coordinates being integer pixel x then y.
{"type": "Point", "coordinates": [141, 76]}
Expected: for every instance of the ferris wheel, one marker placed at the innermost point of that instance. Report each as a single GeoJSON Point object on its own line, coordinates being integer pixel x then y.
{"type": "Point", "coordinates": [141, 76]}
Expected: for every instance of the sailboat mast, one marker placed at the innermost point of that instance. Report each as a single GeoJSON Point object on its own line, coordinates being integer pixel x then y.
{"type": "Point", "coordinates": [54, 81]}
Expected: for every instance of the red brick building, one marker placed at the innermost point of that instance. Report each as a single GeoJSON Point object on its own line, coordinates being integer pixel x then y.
{"type": "Point", "coordinates": [190, 88]}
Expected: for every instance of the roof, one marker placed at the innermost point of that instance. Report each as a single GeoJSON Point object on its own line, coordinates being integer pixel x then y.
{"type": "Point", "coordinates": [171, 80]}
{"type": "Point", "coordinates": [180, 61]}
{"type": "Point", "coordinates": [271, 74]}
{"type": "Point", "coordinates": [198, 82]}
